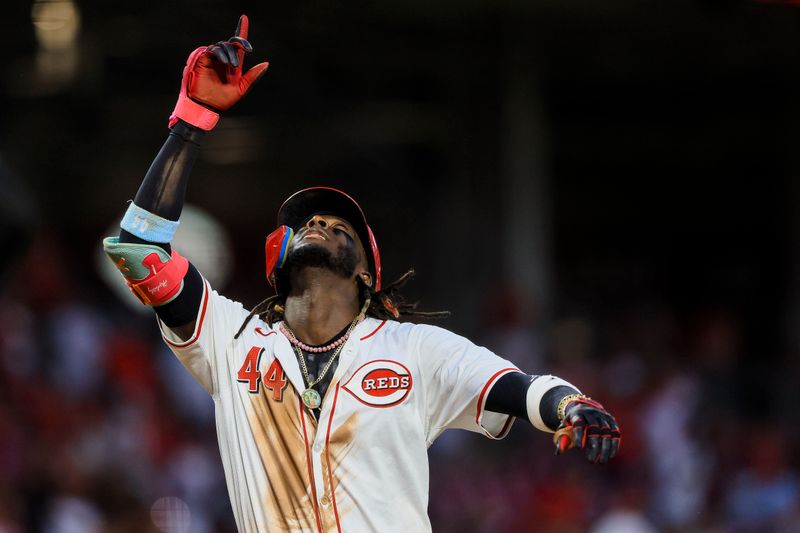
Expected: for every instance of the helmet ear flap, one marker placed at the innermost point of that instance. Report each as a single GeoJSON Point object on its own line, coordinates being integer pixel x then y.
{"type": "Point", "coordinates": [275, 249]}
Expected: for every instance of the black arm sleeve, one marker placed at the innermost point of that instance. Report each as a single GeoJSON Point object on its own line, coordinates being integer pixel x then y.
{"type": "Point", "coordinates": [509, 396]}
{"type": "Point", "coordinates": [163, 189]}
{"type": "Point", "coordinates": [164, 186]}
{"type": "Point", "coordinates": [162, 193]}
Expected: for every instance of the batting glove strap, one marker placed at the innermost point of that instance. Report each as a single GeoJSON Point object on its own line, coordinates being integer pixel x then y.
{"type": "Point", "coordinates": [577, 397]}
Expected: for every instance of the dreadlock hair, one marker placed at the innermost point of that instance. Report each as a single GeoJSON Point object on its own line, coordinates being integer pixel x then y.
{"type": "Point", "coordinates": [385, 304]}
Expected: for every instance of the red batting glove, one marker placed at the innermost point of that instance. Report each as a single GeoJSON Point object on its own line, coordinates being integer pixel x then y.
{"type": "Point", "coordinates": [213, 80]}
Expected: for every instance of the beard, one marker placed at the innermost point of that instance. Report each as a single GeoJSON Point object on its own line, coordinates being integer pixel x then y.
{"type": "Point", "coordinates": [343, 264]}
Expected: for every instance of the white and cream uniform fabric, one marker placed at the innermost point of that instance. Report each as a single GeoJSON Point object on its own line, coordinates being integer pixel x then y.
{"type": "Point", "coordinates": [363, 466]}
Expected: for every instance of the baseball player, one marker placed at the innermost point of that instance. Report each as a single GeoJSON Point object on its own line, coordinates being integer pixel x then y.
{"type": "Point", "coordinates": [325, 403]}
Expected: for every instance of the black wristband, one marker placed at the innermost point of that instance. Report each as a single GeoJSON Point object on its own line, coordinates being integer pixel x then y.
{"type": "Point", "coordinates": [548, 408]}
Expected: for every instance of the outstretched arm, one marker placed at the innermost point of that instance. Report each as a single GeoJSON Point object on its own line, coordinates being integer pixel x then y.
{"type": "Point", "coordinates": [213, 81]}
{"type": "Point", "coordinates": [551, 404]}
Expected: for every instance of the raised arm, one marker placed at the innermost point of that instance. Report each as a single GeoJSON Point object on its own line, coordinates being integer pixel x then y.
{"type": "Point", "coordinates": [213, 81]}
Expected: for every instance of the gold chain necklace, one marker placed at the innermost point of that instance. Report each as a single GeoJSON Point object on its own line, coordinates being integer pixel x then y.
{"type": "Point", "coordinates": [311, 398]}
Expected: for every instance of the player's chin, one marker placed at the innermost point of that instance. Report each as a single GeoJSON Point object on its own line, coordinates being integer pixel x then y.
{"type": "Point", "coordinates": [311, 253]}
{"type": "Point", "coordinates": [310, 247]}
{"type": "Point", "coordinates": [323, 254]}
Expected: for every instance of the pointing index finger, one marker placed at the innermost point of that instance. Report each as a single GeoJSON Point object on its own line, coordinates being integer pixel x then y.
{"type": "Point", "coordinates": [242, 27]}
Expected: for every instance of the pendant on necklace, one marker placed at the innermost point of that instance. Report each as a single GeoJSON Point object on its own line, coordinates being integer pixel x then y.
{"type": "Point", "coordinates": [311, 398]}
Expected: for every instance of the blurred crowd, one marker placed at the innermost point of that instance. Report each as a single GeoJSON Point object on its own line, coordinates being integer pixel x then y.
{"type": "Point", "coordinates": [101, 429]}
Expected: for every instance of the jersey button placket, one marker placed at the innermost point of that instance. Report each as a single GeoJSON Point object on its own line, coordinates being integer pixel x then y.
{"type": "Point", "coordinates": [317, 458]}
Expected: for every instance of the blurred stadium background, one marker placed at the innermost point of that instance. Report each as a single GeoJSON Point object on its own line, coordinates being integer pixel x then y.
{"type": "Point", "coordinates": [608, 191]}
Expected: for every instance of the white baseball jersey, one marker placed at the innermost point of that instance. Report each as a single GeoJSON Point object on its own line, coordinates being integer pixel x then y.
{"type": "Point", "coordinates": [363, 466]}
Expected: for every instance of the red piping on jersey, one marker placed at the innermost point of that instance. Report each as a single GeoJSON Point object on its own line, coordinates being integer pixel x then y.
{"type": "Point", "coordinates": [261, 332]}
{"type": "Point", "coordinates": [308, 463]}
{"type": "Point", "coordinates": [374, 331]}
{"type": "Point", "coordinates": [328, 457]}
{"type": "Point", "coordinates": [199, 327]}
{"type": "Point", "coordinates": [488, 386]}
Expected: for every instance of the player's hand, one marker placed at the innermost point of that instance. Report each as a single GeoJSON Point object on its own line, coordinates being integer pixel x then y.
{"type": "Point", "coordinates": [213, 79]}
{"type": "Point", "coordinates": [587, 425]}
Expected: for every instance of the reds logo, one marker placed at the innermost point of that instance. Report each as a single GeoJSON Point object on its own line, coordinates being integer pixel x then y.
{"type": "Point", "coordinates": [380, 383]}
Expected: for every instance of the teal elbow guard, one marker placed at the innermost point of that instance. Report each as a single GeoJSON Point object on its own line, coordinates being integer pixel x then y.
{"type": "Point", "coordinates": [154, 276]}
